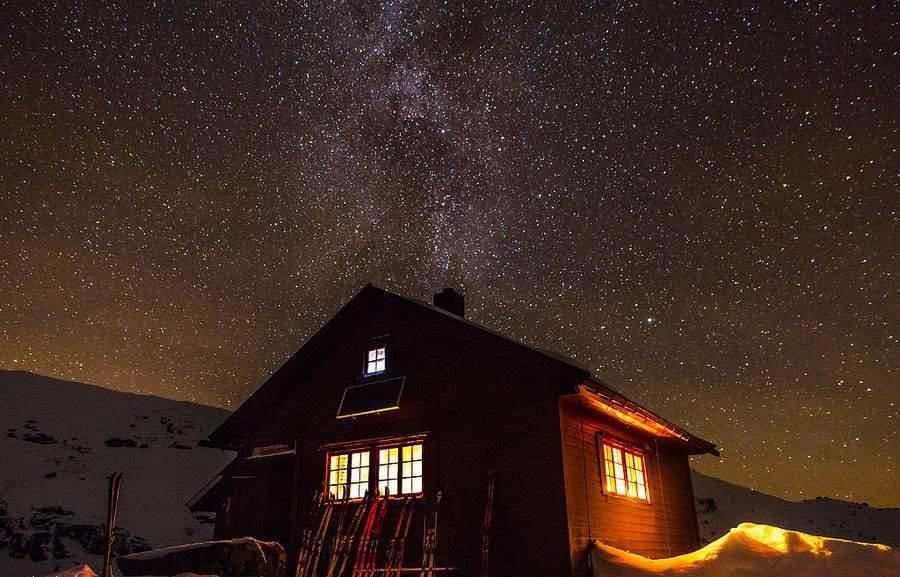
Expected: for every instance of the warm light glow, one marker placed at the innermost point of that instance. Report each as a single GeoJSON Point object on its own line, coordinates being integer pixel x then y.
{"type": "Point", "coordinates": [401, 465]}
{"type": "Point", "coordinates": [349, 470]}
{"type": "Point", "coordinates": [372, 412]}
{"type": "Point", "coordinates": [635, 419]}
{"type": "Point", "coordinates": [624, 472]}
{"type": "Point", "coordinates": [740, 545]}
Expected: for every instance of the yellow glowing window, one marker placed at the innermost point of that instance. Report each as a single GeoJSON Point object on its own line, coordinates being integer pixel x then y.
{"type": "Point", "coordinates": [348, 471]}
{"type": "Point", "coordinates": [624, 473]}
{"type": "Point", "coordinates": [400, 470]}
{"type": "Point", "coordinates": [376, 361]}
{"type": "Point", "coordinates": [411, 471]}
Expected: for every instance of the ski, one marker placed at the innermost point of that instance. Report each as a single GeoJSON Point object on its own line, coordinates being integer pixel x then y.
{"type": "Point", "coordinates": [342, 503]}
{"type": "Point", "coordinates": [346, 540]}
{"type": "Point", "coordinates": [112, 506]}
{"type": "Point", "coordinates": [306, 540]}
{"type": "Point", "coordinates": [339, 527]}
{"type": "Point", "coordinates": [429, 540]}
{"type": "Point", "coordinates": [368, 569]}
{"type": "Point", "coordinates": [486, 526]}
{"type": "Point", "coordinates": [363, 544]}
{"type": "Point", "coordinates": [315, 548]}
{"type": "Point", "coordinates": [394, 560]}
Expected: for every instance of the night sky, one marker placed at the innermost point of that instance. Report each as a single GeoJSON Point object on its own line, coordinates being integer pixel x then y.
{"type": "Point", "coordinates": [698, 204]}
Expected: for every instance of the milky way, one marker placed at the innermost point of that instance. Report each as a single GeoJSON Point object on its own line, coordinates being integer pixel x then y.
{"type": "Point", "coordinates": [699, 204]}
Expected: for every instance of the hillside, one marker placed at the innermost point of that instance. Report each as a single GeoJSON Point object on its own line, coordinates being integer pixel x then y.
{"type": "Point", "coordinates": [59, 443]}
{"type": "Point", "coordinates": [62, 439]}
{"type": "Point", "coordinates": [722, 506]}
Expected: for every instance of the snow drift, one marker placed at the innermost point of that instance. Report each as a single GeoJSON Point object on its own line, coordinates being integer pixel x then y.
{"type": "Point", "coordinates": [752, 550]}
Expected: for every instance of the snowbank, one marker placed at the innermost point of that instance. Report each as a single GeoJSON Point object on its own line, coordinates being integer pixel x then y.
{"type": "Point", "coordinates": [752, 550]}
{"type": "Point", "coordinates": [243, 557]}
{"type": "Point", "coordinates": [80, 571]}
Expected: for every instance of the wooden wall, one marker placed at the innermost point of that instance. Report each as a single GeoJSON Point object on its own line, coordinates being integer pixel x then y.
{"type": "Point", "coordinates": [481, 409]}
{"type": "Point", "coordinates": [665, 526]}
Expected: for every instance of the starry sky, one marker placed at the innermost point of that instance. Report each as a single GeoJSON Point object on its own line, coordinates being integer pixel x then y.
{"type": "Point", "coordinates": [698, 203]}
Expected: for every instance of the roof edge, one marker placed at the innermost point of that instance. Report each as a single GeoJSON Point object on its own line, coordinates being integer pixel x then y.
{"type": "Point", "coordinates": [625, 410]}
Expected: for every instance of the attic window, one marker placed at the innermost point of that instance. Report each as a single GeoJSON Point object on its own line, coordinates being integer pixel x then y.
{"type": "Point", "coordinates": [376, 361]}
{"type": "Point", "coordinates": [624, 472]}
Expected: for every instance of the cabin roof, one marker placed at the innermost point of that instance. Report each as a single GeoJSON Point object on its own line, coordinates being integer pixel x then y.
{"type": "Point", "coordinates": [223, 436]}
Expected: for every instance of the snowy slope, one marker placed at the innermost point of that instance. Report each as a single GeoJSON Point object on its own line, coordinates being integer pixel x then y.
{"type": "Point", "coordinates": [59, 442]}
{"type": "Point", "coordinates": [752, 550]}
{"type": "Point", "coordinates": [722, 505]}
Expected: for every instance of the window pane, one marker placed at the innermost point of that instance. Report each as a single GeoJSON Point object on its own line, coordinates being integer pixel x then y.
{"type": "Point", "coordinates": [411, 469]}
{"type": "Point", "coordinates": [624, 472]}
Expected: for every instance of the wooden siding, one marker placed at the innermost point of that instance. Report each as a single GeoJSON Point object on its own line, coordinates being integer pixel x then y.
{"type": "Point", "coordinates": [480, 411]}
{"type": "Point", "coordinates": [665, 526]}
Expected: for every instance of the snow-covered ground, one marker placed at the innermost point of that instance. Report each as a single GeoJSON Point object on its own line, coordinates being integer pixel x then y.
{"type": "Point", "coordinates": [60, 440]}
{"type": "Point", "coordinates": [59, 443]}
{"type": "Point", "coordinates": [752, 550]}
{"type": "Point", "coordinates": [722, 505]}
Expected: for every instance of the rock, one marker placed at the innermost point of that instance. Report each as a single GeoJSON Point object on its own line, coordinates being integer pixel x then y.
{"type": "Point", "coordinates": [244, 557]}
{"type": "Point", "coordinates": [79, 571]}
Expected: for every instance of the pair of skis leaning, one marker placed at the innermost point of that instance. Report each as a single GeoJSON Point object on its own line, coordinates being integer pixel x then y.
{"type": "Point", "coordinates": [356, 539]}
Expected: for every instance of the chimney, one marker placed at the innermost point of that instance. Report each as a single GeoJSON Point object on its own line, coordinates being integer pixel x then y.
{"type": "Point", "coordinates": [451, 301]}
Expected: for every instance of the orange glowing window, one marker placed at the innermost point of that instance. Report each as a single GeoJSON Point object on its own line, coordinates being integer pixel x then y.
{"type": "Point", "coordinates": [348, 471]}
{"type": "Point", "coordinates": [624, 472]}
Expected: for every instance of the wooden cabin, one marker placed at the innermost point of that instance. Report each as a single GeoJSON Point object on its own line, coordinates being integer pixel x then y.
{"type": "Point", "coordinates": [394, 392]}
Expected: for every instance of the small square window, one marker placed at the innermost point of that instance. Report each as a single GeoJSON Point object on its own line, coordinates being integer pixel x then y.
{"type": "Point", "coordinates": [376, 361]}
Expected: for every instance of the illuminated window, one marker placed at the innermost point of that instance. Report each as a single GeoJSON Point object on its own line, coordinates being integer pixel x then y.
{"type": "Point", "coordinates": [624, 472]}
{"type": "Point", "coordinates": [350, 470]}
{"type": "Point", "coordinates": [403, 466]}
{"type": "Point", "coordinates": [376, 361]}
{"type": "Point", "coordinates": [388, 469]}
{"type": "Point", "coordinates": [411, 471]}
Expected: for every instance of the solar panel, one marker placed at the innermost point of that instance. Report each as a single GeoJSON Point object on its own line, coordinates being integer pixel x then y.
{"type": "Point", "coordinates": [368, 398]}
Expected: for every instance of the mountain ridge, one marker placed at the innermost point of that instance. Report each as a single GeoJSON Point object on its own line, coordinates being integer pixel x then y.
{"type": "Point", "coordinates": [63, 438]}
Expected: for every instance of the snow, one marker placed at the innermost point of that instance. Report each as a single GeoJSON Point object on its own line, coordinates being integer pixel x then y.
{"type": "Point", "coordinates": [754, 550]}
{"type": "Point", "coordinates": [79, 571]}
{"type": "Point", "coordinates": [722, 505]}
{"type": "Point", "coordinates": [86, 571]}
{"type": "Point", "coordinates": [157, 553]}
{"type": "Point", "coordinates": [58, 447]}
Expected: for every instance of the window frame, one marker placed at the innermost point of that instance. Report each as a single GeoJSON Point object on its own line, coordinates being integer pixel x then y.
{"type": "Point", "coordinates": [635, 450]}
{"type": "Point", "coordinates": [373, 448]}
{"type": "Point", "coordinates": [400, 469]}
{"type": "Point", "coordinates": [350, 484]}
{"type": "Point", "coordinates": [375, 347]}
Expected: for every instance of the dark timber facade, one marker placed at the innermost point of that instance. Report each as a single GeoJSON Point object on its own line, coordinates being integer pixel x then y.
{"type": "Point", "coordinates": [573, 459]}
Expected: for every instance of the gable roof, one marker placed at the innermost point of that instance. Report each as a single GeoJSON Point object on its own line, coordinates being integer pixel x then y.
{"type": "Point", "coordinates": [270, 390]}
